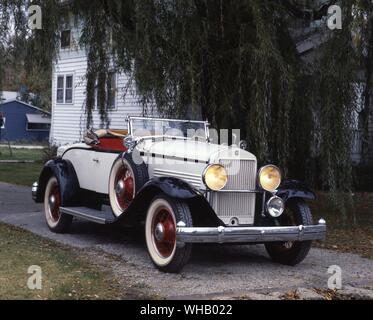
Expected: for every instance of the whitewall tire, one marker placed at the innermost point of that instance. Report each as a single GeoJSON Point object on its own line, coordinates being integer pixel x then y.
{"type": "Point", "coordinates": [160, 233]}
{"type": "Point", "coordinates": [126, 179]}
{"type": "Point", "coordinates": [56, 221]}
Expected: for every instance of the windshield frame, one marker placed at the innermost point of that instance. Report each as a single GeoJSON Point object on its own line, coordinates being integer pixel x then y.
{"type": "Point", "coordinates": [206, 124]}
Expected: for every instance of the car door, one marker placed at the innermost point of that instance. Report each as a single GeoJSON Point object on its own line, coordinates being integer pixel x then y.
{"type": "Point", "coordinates": [82, 160]}
{"type": "Point", "coordinates": [102, 163]}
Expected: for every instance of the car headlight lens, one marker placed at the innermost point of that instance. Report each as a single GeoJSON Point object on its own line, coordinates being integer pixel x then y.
{"type": "Point", "coordinates": [215, 177]}
{"type": "Point", "coordinates": [269, 178]}
{"type": "Point", "coordinates": [275, 207]}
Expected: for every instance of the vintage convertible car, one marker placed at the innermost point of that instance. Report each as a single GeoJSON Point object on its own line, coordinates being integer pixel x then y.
{"type": "Point", "coordinates": [187, 189]}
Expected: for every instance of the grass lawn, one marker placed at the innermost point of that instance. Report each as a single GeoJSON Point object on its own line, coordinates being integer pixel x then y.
{"type": "Point", "coordinates": [20, 154]}
{"type": "Point", "coordinates": [20, 173]}
{"type": "Point", "coordinates": [353, 233]}
{"type": "Point", "coordinates": [66, 274]}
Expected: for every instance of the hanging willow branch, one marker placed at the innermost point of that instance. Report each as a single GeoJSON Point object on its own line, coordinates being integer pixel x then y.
{"type": "Point", "coordinates": [233, 62]}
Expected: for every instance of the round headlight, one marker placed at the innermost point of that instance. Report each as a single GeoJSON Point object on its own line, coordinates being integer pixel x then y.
{"type": "Point", "coordinates": [275, 207]}
{"type": "Point", "coordinates": [269, 178]}
{"type": "Point", "coordinates": [215, 177]}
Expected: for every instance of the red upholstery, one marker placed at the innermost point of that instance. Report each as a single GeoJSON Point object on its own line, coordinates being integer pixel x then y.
{"type": "Point", "coordinates": [110, 144]}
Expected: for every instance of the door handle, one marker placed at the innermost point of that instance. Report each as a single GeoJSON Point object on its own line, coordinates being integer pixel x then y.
{"type": "Point", "coordinates": [96, 160]}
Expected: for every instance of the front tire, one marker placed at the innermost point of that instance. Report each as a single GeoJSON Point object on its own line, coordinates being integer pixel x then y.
{"type": "Point", "coordinates": [56, 221]}
{"type": "Point", "coordinates": [292, 252]}
{"type": "Point", "coordinates": [160, 233]}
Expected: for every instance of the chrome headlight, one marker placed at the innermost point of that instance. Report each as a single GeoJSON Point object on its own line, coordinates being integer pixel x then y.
{"type": "Point", "coordinates": [269, 178]}
{"type": "Point", "coordinates": [275, 206]}
{"type": "Point", "coordinates": [215, 177]}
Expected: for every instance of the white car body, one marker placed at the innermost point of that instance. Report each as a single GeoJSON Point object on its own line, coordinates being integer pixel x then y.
{"type": "Point", "coordinates": [182, 159]}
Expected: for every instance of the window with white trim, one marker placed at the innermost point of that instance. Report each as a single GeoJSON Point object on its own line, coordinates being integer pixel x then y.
{"type": "Point", "coordinates": [65, 89]}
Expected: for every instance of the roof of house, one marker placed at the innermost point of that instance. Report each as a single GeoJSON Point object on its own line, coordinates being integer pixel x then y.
{"type": "Point", "coordinates": [38, 118]}
{"type": "Point", "coordinates": [26, 104]}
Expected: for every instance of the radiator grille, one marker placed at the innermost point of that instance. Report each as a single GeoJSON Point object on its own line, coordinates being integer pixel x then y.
{"type": "Point", "coordinates": [237, 206]}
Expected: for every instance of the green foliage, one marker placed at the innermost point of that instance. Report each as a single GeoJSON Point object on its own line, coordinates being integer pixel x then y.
{"type": "Point", "coordinates": [231, 61]}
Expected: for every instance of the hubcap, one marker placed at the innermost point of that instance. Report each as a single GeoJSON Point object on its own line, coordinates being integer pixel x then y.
{"type": "Point", "coordinates": [164, 232]}
{"type": "Point", "coordinates": [159, 232]}
{"type": "Point", "coordinates": [120, 189]}
{"type": "Point", "coordinates": [52, 202]}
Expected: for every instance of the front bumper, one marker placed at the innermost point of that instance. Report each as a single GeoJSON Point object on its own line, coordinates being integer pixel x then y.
{"type": "Point", "coordinates": [250, 234]}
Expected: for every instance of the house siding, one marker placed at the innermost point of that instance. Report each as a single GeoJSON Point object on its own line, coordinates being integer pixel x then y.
{"type": "Point", "coordinates": [69, 120]}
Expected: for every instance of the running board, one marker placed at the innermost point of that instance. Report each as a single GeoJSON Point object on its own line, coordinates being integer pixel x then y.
{"type": "Point", "coordinates": [97, 216]}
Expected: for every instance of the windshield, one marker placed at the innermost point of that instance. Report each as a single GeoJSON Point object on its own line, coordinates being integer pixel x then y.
{"type": "Point", "coordinates": [145, 127]}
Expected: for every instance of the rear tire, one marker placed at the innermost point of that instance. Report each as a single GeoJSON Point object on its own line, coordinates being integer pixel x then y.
{"type": "Point", "coordinates": [160, 233]}
{"type": "Point", "coordinates": [292, 252]}
{"type": "Point", "coordinates": [56, 221]}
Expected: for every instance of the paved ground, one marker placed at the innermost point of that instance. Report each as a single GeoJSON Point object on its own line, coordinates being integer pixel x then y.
{"type": "Point", "coordinates": [214, 271]}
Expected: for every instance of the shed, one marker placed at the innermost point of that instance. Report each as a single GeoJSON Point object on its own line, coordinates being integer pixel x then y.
{"type": "Point", "coordinates": [24, 122]}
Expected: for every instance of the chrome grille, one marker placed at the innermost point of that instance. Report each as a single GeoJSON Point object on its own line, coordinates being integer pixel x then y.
{"type": "Point", "coordinates": [234, 206]}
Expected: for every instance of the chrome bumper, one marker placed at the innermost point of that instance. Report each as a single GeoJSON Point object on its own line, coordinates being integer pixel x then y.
{"type": "Point", "coordinates": [34, 190]}
{"type": "Point", "coordinates": [250, 234]}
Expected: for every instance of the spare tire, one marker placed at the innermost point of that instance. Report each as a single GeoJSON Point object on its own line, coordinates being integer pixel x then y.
{"type": "Point", "coordinates": [126, 179]}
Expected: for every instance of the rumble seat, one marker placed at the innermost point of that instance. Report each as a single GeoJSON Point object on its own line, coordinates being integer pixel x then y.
{"type": "Point", "coordinates": [108, 139]}
{"type": "Point", "coordinates": [107, 133]}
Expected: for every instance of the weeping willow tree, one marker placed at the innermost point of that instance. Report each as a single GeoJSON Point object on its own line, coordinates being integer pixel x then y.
{"type": "Point", "coordinates": [233, 62]}
{"type": "Point", "coordinates": [29, 54]}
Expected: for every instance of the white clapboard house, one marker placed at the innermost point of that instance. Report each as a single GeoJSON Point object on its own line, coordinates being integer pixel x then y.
{"type": "Point", "coordinates": [69, 92]}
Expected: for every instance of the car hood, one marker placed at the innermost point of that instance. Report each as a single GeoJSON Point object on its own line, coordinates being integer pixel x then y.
{"type": "Point", "coordinates": [194, 150]}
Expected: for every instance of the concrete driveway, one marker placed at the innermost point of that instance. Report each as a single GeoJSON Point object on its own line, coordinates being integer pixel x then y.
{"type": "Point", "coordinates": [214, 271]}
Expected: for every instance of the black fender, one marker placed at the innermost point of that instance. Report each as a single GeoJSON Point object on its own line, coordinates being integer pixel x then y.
{"type": "Point", "coordinates": [202, 213]}
{"type": "Point", "coordinates": [294, 189]}
{"type": "Point", "coordinates": [65, 173]}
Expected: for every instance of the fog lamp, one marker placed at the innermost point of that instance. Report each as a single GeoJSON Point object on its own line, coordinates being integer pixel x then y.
{"type": "Point", "coordinates": [275, 206]}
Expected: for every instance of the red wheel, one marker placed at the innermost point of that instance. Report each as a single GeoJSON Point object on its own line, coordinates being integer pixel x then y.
{"type": "Point", "coordinates": [126, 178]}
{"type": "Point", "coordinates": [56, 221]}
{"type": "Point", "coordinates": [124, 187]}
{"type": "Point", "coordinates": [164, 232]}
{"type": "Point", "coordinates": [160, 233]}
